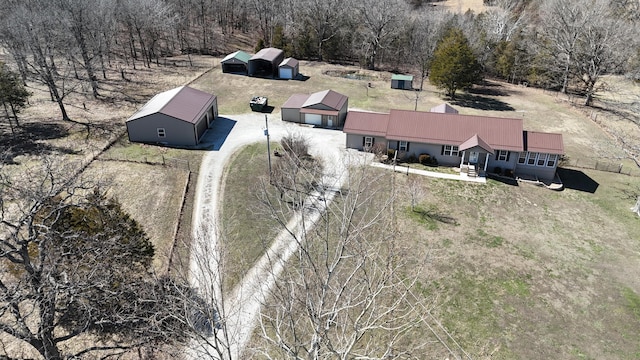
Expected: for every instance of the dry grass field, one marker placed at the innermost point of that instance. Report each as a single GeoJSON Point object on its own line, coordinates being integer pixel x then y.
{"type": "Point", "coordinates": [516, 272]}
{"type": "Point", "coordinates": [152, 194]}
{"type": "Point", "coordinates": [522, 272]}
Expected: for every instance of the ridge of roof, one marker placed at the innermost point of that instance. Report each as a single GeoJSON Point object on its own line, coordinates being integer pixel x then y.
{"type": "Point", "coordinates": [474, 141]}
{"type": "Point", "coordinates": [183, 103]}
{"type": "Point", "coordinates": [240, 55]}
{"type": "Point", "coordinates": [329, 98]}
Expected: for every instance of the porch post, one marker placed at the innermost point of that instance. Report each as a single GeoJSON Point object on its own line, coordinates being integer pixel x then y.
{"type": "Point", "coordinates": [486, 161]}
{"type": "Point", "coordinates": [462, 159]}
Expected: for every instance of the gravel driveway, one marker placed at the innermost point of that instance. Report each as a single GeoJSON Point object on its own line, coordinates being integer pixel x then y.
{"type": "Point", "coordinates": [228, 135]}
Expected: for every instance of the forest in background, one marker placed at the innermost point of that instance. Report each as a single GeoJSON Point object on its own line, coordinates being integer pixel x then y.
{"type": "Point", "coordinates": [564, 45]}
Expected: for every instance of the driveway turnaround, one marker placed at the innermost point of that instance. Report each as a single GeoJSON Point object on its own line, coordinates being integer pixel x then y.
{"type": "Point", "coordinates": [240, 309]}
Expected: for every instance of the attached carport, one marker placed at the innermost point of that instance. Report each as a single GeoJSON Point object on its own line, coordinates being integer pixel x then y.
{"type": "Point", "coordinates": [265, 63]}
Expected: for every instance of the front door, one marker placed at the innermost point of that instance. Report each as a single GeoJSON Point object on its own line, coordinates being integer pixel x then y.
{"type": "Point", "coordinates": [330, 121]}
{"type": "Point", "coordinates": [473, 157]}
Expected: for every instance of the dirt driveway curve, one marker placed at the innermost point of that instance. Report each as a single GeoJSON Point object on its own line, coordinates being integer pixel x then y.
{"type": "Point", "coordinates": [228, 135]}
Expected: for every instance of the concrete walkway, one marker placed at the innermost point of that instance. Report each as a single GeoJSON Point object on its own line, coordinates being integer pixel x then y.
{"type": "Point", "coordinates": [439, 175]}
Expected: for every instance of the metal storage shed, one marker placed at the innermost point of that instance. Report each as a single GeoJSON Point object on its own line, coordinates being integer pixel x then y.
{"type": "Point", "coordinates": [444, 109]}
{"type": "Point", "coordinates": [265, 62]}
{"type": "Point", "coordinates": [404, 82]}
{"type": "Point", "coordinates": [236, 62]}
{"type": "Point", "coordinates": [288, 68]}
{"type": "Point", "coordinates": [177, 117]}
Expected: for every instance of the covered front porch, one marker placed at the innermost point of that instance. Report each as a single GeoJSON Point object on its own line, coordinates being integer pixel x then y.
{"type": "Point", "coordinates": [475, 157]}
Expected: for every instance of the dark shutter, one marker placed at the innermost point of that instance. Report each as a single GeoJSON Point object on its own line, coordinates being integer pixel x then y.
{"type": "Point", "coordinates": [398, 145]}
{"type": "Point", "coordinates": [508, 154]}
{"type": "Point", "coordinates": [363, 140]}
{"type": "Point", "coordinates": [373, 140]}
{"type": "Point", "coordinates": [407, 146]}
{"type": "Point", "coordinates": [442, 150]}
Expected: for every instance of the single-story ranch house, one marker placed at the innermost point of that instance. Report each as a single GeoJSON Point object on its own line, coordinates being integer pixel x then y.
{"type": "Point", "coordinates": [325, 108]}
{"type": "Point", "coordinates": [237, 62]}
{"type": "Point", "coordinates": [476, 144]}
{"type": "Point", "coordinates": [176, 117]}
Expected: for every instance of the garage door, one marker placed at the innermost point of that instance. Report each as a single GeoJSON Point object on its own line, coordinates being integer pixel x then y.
{"type": "Point", "coordinates": [313, 119]}
{"type": "Point", "coordinates": [285, 73]}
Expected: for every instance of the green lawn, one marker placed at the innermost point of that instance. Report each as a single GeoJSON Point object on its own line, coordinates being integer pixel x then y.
{"type": "Point", "coordinates": [516, 272]}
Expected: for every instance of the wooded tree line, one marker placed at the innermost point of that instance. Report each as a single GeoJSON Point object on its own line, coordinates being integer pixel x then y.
{"type": "Point", "coordinates": [557, 44]}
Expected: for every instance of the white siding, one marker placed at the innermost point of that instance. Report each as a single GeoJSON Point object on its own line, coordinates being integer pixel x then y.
{"type": "Point", "coordinates": [286, 73]}
{"type": "Point", "coordinates": [313, 119]}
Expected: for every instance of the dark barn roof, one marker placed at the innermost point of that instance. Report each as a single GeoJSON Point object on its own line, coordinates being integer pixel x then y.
{"type": "Point", "coordinates": [183, 103]}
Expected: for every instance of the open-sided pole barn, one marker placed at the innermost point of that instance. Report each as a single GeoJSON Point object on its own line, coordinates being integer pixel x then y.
{"type": "Point", "coordinates": [265, 63]}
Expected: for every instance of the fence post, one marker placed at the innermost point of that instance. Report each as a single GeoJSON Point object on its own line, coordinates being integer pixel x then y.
{"type": "Point", "coordinates": [163, 163]}
{"type": "Point", "coordinates": [620, 169]}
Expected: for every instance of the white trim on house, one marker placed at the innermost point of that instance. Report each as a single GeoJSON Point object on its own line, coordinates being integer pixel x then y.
{"type": "Point", "coordinates": [368, 142]}
{"type": "Point", "coordinates": [450, 150]}
{"type": "Point", "coordinates": [537, 159]}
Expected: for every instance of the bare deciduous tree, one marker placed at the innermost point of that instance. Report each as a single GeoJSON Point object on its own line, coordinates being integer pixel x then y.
{"type": "Point", "coordinates": [425, 31]}
{"type": "Point", "coordinates": [28, 30]}
{"type": "Point", "coordinates": [378, 22]}
{"type": "Point", "coordinates": [344, 293]}
{"type": "Point", "coordinates": [564, 23]}
{"type": "Point", "coordinates": [74, 268]}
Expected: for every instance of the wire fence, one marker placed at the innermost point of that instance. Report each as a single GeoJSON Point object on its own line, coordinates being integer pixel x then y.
{"type": "Point", "coordinates": [601, 165]}
{"type": "Point", "coordinates": [176, 163]}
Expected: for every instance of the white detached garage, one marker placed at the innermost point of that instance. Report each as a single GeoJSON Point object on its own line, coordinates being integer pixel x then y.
{"type": "Point", "coordinates": [325, 108]}
{"type": "Point", "coordinates": [288, 68]}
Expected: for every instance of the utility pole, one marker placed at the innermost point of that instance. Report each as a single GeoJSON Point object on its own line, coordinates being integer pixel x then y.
{"type": "Point", "coordinates": [266, 133]}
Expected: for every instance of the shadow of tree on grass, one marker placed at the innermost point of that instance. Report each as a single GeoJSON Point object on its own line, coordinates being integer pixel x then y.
{"type": "Point", "coordinates": [30, 139]}
{"type": "Point", "coordinates": [481, 103]}
{"type": "Point", "coordinates": [430, 216]}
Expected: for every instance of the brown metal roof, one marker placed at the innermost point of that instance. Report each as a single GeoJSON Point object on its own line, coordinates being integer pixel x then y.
{"type": "Point", "coordinates": [269, 54]}
{"type": "Point", "coordinates": [188, 104]}
{"type": "Point", "coordinates": [289, 62]}
{"type": "Point", "coordinates": [366, 123]}
{"type": "Point", "coordinates": [328, 98]}
{"type": "Point", "coordinates": [476, 141]}
{"type": "Point", "coordinates": [543, 142]}
{"type": "Point", "coordinates": [454, 129]}
{"type": "Point", "coordinates": [295, 101]}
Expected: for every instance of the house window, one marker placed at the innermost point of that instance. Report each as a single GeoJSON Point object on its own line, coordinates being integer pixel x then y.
{"type": "Point", "coordinates": [368, 142]}
{"type": "Point", "coordinates": [161, 132]}
{"type": "Point", "coordinates": [503, 155]}
{"type": "Point", "coordinates": [403, 146]}
{"type": "Point", "coordinates": [531, 158]}
{"type": "Point", "coordinates": [542, 159]}
{"type": "Point", "coordinates": [450, 150]}
{"type": "Point", "coordinates": [551, 161]}
{"type": "Point", "coordinates": [522, 158]}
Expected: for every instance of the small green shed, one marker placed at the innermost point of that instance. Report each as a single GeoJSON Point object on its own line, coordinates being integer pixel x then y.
{"type": "Point", "coordinates": [404, 82]}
